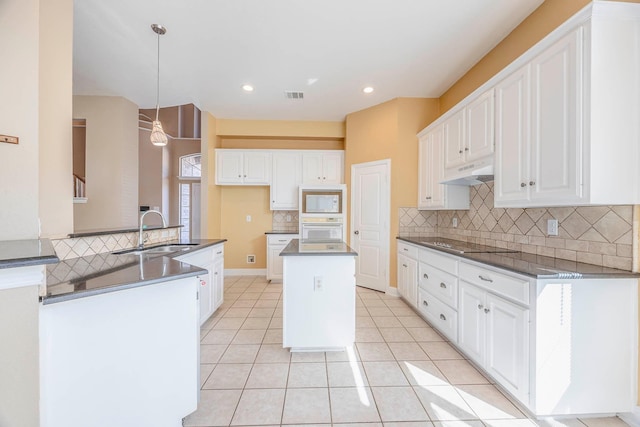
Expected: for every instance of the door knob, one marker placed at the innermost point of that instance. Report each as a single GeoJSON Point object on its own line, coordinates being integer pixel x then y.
{"type": "Point", "coordinates": [356, 232]}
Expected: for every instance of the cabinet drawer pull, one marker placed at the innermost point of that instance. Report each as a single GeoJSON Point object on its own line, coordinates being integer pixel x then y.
{"type": "Point", "coordinates": [460, 152]}
{"type": "Point", "coordinates": [523, 184]}
{"type": "Point", "coordinates": [218, 253]}
{"type": "Point", "coordinates": [443, 286]}
{"type": "Point", "coordinates": [443, 317]}
{"type": "Point", "coordinates": [425, 275]}
{"type": "Point", "coordinates": [405, 249]}
{"type": "Point", "coordinates": [466, 148]}
{"type": "Point", "coordinates": [428, 198]}
{"type": "Point", "coordinates": [425, 303]}
{"type": "Point", "coordinates": [404, 265]}
{"type": "Point", "coordinates": [480, 306]}
{"type": "Point", "coordinates": [215, 273]}
{"type": "Point", "coordinates": [486, 310]}
{"type": "Point", "coordinates": [486, 279]}
{"type": "Point", "coordinates": [282, 240]}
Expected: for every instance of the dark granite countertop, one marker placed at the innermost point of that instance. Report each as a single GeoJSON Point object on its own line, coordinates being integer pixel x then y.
{"type": "Point", "coordinates": [23, 253]}
{"type": "Point", "coordinates": [132, 229]}
{"type": "Point", "coordinates": [536, 266]}
{"type": "Point", "coordinates": [102, 273]}
{"type": "Point", "coordinates": [280, 232]}
{"type": "Point", "coordinates": [299, 247]}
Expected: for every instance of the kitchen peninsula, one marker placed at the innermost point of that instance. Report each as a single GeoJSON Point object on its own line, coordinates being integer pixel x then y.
{"type": "Point", "coordinates": [319, 292]}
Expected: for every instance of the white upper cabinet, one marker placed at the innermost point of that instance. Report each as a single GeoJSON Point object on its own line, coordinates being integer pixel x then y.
{"type": "Point", "coordinates": [285, 180]}
{"type": "Point", "coordinates": [322, 167]}
{"type": "Point", "coordinates": [454, 143]}
{"type": "Point", "coordinates": [479, 126]}
{"type": "Point", "coordinates": [243, 167]}
{"type": "Point", "coordinates": [432, 194]}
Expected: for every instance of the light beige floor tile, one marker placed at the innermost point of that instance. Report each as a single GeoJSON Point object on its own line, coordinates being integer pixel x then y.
{"type": "Point", "coordinates": [205, 371]}
{"type": "Point", "coordinates": [215, 408]}
{"type": "Point", "coordinates": [273, 353]}
{"type": "Point", "coordinates": [256, 323]}
{"type": "Point", "coordinates": [262, 312]}
{"type": "Point", "coordinates": [268, 375]}
{"type": "Point", "coordinates": [358, 425]}
{"type": "Point", "coordinates": [374, 352]}
{"type": "Point", "coordinates": [364, 322]}
{"type": "Point", "coordinates": [219, 336]}
{"type": "Point", "coordinates": [273, 336]}
{"type": "Point", "coordinates": [439, 350]}
{"type": "Point", "coordinates": [368, 335]}
{"type": "Point", "coordinates": [276, 323]}
{"type": "Point", "coordinates": [229, 323]}
{"type": "Point", "coordinates": [310, 405]}
{"type": "Point", "coordinates": [307, 375]}
{"type": "Point", "coordinates": [398, 404]}
{"type": "Point", "coordinates": [270, 296]}
{"type": "Point", "coordinates": [380, 311]}
{"type": "Point", "coordinates": [249, 336]}
{"type": "Point", "coordinates": [374, 303]}
{"type": "Point", "coordinates": [604, 422]}
{"type": "Point", "coordinates": [407, 351]}
{"type": "Point", "coordinates": [211, 353]}
{"type": "Point", "coordinates": [471, 423]}
{"type": "Point", "coordinates": [510, 423]}
{"type": "Point", "coordinates": [423, 372]}
{"type": "Point", "coordinates": [562, 422]}
{"type": "Point", "coordinates": [394, 302]}
{"type": "Point", "coordinates": [408, 424]}
{"type": "Point", "coordinates": [266, 303]}
{"type": "Point", "coordinates": [348, 355]}
{"type": "Point", "coordinates": [244, 303]}
{"type": "Point", "coordinates": [352, 405]}
{"type": "Point", "coordinates": [237, 312]}
{"type": "Point", "coordinates": [259, 407]}
{"type": "Point", "coordinates": [488, 403]}
{"type": "Point", "coordinates": [384, 374]}
{"type": "Point", "coordinates": [443, 403]}
{"type": "Point", "coordinates": [346, 374]}
{"type": "Point", "coordinates": [228, 376]}
{"type": "Point", "coordinates": [402, 311]}
{"type": "Point", "coordinates": [307, 356]}
{"type": "Point", "coordinates": [425, 334]}
{"type": "Point", "coordinates": [243, 353]}
{"type": "Point", "coordinates": [249, 295]}
{"type": "Point", "coordinates": [387, 322]}
{"type": "Point", "coordinates": [460, 372]}
{"type": "Point", "coordinates": [367, 294]}
{"type": "Point", "coordinates": [396, 335]}
{"type": "Point", "coordinates": [210, 322]}
{"type": "Point", "coordinates": [412, 321]}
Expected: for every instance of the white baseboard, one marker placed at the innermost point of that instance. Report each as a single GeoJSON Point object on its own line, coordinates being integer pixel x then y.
{"type": "Point", "coordinates": [245, 272]}
{"type": "Point", "coordinates": [632, 418]}
{"type": "Point", "coordinates": [393, 292]}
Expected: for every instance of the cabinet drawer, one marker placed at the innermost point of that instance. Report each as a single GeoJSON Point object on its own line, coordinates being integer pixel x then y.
{"type": "Point", "coordinates": [442, 285]}
{"type": "Point", "coordinates": [280, 239]}
{"type": "Point", "coordinates": [218, 251]}
{"type": "Point", "coordinates": [408, 250]}
{"type": "Point", "coordinates": [442, 317]}
{"type": "Point", "coordinates": [511, 287]}
{"type": "Point", "coordinates": [443, 262]}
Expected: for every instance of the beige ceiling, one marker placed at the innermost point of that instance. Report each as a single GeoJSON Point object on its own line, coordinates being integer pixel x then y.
{"type": "Point", "coordinates": [329, 49]}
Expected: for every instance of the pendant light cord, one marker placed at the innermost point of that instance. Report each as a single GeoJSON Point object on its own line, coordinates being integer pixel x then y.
{"type": "Point", "coordinates": [158, 82]}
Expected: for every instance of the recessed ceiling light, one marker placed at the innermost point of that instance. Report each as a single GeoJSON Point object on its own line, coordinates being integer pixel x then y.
{"type": "Point", "coordinates": [367, 89]}
{"type": "Point", "coordinates": [247, 88]}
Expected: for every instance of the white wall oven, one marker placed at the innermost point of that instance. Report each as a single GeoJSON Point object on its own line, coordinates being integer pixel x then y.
{"type": "Point", "coordinates": [322, 229]}
{"type": "Point", "coordinates": [322, 212]}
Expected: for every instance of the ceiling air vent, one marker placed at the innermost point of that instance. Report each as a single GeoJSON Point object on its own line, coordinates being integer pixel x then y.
{"type": "Point", "coordinates": [293, 94]}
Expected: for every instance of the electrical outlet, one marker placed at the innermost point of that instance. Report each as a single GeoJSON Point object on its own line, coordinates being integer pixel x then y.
{"type": "Point", "coordinates": [552, 227]}
{"type": "Point", "coordinates": [248, 218]}
{"type": "Point", "coordinates": [455, 222]}
{"type": "Point", "coordinates": [251, 259]}
{"type": "Point", "coordinates": [318, 284]}
{"type": "Point", "coordinates": [288, 217]}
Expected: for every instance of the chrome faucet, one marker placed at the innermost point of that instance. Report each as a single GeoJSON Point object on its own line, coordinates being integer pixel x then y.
{"type": "Point", "coordinates": [140, 237]}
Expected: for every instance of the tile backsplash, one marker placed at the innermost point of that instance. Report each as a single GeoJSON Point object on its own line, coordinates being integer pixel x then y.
{"type": "Point", "coordinates": [600, 235]}
{"type": "Point", "coordinates": [279, 221]}
{"type": "Point", "coordinates": [92, 245]}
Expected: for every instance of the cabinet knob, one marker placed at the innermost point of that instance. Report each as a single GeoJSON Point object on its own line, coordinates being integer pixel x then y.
{"type": "Point", "coordinates": [466, 149]}
{"type": "Point", "coordinates": [486, 310]}
{"type": "Point", "coordinates": [245, 176]}
{"type": "Point", "coordinates": [425, 303]}
{"type": "Point", "coordinates": [324, 177]}
{"type": "Point", "coordinates": [239, 176]}
{"type": "Point", "coordinates": [443, 286]}
{"type": "Point", "coordinates": [485, 279]}
{"type": "Point", "coordinates": [215, 273]}
{"type": "Point", "coordinates": [532, 183]}
{"type": "Point", "coordinates": [356, 232]}
{"type": "Point", "coordinates": [443, 317]}
{"type": "Point", "coordinates": [425, 275]}
{"type": "Point", "coordinates": [429, 198]}
{"type": "Point", "coordinates": [480, 306]}
{"type": "Point", "coordinates": [460, 152]}
{"type": "Point", "coordinates": [523, 184]}
{"type": "Point", "coordinates": [318, 177]}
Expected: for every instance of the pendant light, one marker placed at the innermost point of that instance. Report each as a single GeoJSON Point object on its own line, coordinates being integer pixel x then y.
{"type": "Point", "coordinates": [158, 137]}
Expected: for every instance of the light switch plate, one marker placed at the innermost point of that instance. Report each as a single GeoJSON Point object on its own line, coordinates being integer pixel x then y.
{"type": "Point", "coordinates": [318, 284]}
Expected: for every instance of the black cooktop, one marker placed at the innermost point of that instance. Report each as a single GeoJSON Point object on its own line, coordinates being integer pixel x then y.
{"type": "Point", "coordinates": [459, 247]}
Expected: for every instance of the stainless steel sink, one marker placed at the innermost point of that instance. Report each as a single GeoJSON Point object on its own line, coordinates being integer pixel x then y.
{"type": "Point", "coordinates": [157, 250]}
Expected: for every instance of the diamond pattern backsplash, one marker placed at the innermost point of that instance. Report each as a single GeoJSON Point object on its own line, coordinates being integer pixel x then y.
{"type": "Point", "coordinates": [600, 235]}
{"type": "Point", "coordinates": [87, 246]}
{"type": "Point", "coordinates": [279, 221]}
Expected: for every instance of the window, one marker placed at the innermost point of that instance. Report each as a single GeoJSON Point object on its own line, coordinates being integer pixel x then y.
{"type": "Point", "coordinates": [190, 166]}
{"type": "Point", "coordinates": [189, 195]}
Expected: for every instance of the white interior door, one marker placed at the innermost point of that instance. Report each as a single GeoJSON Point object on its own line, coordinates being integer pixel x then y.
{"type": "Point", "coordinates": [370, 192]}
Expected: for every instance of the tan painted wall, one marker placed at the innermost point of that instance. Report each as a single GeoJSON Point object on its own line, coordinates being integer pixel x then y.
{"type": "Point", "coordinates": [56, 159]}
{"type": "Point", "coordinates": [19, 43]}
{"type": "Point", "coordinates": [280, 128]}
{"type": "Point", "coordinates": [149, 174]}
{"type": "Point", "coordinates": [112, 162]}
{"type": "Point", "coordinates": [388, 131]}
{"type": "Point", "coordinates": [283, 144]}
{"type": "Point", "coordinates": [212, 194]}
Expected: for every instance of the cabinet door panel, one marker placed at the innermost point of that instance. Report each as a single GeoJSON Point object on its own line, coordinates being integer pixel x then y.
{"type": "Point", "coordinates": [403, 275]}
{"type": "Point", "coordinates": [332, 168]}
{"type": "Point", "coordinates": [218, 283]}
{"type": "Point", "coordinates": [257, 168]}
{"type": "Point", "coordinates": [479, 122]}
{"type": "Point", "coordinates": [229, 165]}
{"type": "Point", "coordinates": [412, 281]}
{"type": "Point", "coordinates": [454, 140]}
{"type": "Point", "coordinates": [507, 357]}
{"type": "Point", "coordinates": [436, 164]}
{"type": "Point", "coordinates": [286, 177]}
{"type": "Point", "coordinates": [424, 172]}
{"type": "Point", "coordinates": [312, 168]}
{"type": "Point", "coordinates": [512, 138]}
{"type": "Point", "coordinates": [471, 324]}
{"type": "Point", "coordinates": [556, 118]}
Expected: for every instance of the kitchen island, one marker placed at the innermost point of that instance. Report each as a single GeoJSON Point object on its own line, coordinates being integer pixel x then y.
{"type": "Point", "coordinates": [319, 296]}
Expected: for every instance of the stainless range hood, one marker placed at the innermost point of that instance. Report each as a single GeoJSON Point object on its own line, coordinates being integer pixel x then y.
{"type": "Point", "coordinates": [469, 174]}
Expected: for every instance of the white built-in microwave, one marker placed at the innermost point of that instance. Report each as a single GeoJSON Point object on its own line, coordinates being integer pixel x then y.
{"type": "Point", "coordinates": [321, 202]}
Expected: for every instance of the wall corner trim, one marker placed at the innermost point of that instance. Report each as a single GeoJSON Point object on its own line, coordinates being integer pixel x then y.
{"type": "Point", "coordinates": [392, 292]}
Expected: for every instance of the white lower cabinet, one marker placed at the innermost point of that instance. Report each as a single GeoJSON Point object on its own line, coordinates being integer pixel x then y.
{"type": "Point", "coordinates": [275, 244]}
{"type": "Point", "coordinates": [494, 333]}
{"type": "Point", "coordinates": [407, 276]}
{"type": "Point", "coordinates": [211, 289]}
